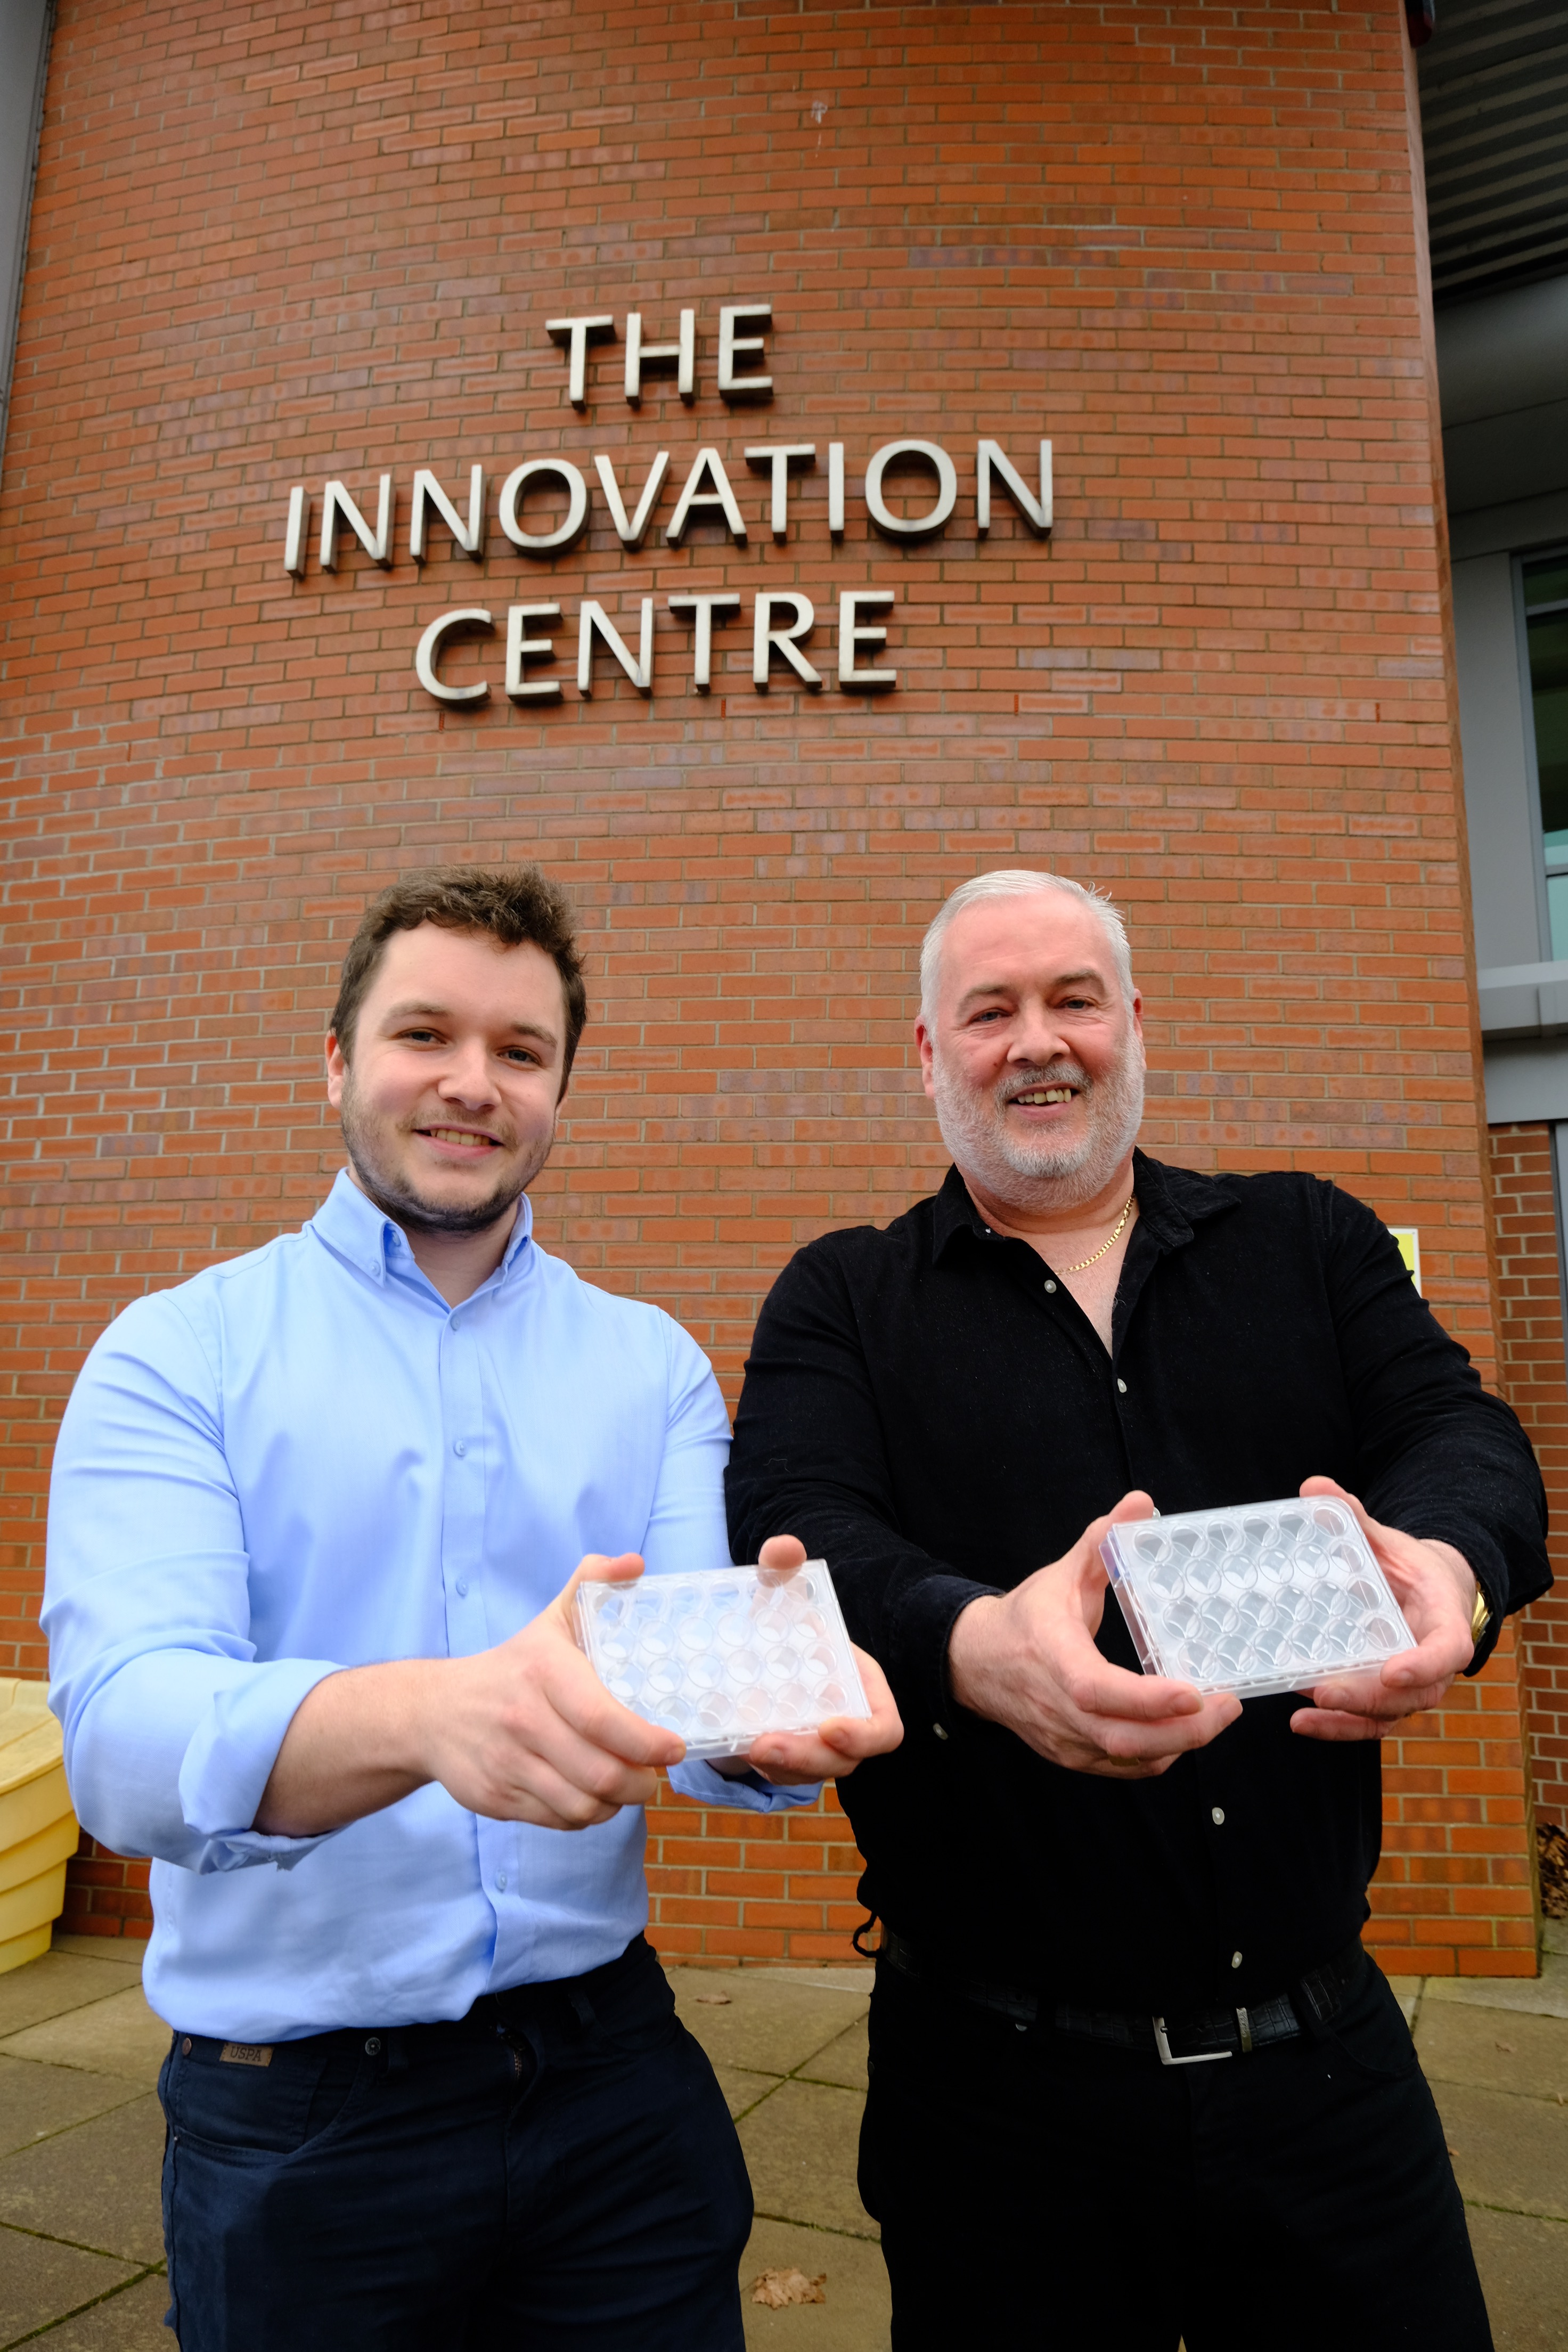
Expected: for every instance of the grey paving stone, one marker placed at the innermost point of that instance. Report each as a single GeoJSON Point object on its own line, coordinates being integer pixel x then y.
{"type": "Point", "coordinates": [768, 2022]}
{"type": "Point", "coordinates": [53, 1983]}
{"type": "Point", "coordinates": [1544, 1996]}
{"type": "Point", "coordinates": [35, 2101]}
{"type": "Point", "coordinates": [131, 2321]}
{"type": "Point", "coordinates": [855, 2316]}
{"type": "Point", "coordinates": [843, 2061]}
{"type": "Point", "coordinates": [1508, 2150]}
{"type": "Point", "coordinates": [40, 2281]}
{"type": "Point", "coordinates": [1523, 2265]}
{"type": "Point", "coordinates": [801, 2147]}
{"type": "Point", "coordinates": [742, 2090]}
{"type": "Point", "coordinates": [118, 2035]}
{"type": "Point", "coordinates": [98, 2186]}
{"type": "Point", "coordinates": [126, 1951]}
{"type": "Point", "coordinates": [1497, 2050]}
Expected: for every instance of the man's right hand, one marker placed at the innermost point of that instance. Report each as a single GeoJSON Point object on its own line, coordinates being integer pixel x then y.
{"type": "Point", "coordinates": [525, 1732]}
{"type": "Point", "coordinates": [1026, 1659]}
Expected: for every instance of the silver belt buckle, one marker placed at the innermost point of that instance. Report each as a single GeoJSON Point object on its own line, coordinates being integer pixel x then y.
{"type": "Point", "coordinates": [1199, 2057]}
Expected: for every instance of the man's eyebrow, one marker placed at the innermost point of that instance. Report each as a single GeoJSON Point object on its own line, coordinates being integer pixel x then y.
{"type": "Point", "coordinates": [1005, 988]}
{"type": "Point", "coordinates": [395, 1013]}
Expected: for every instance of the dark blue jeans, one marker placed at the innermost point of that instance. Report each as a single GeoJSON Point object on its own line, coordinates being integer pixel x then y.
{"type": "Point", "coordinates": [1038, 2190]}
{"type": "Point", "coordinates": [557, 2170]}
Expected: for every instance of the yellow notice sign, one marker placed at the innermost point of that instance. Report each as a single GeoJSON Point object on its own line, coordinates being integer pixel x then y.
{"type": "Point", "coordinates": [1409, 1242]}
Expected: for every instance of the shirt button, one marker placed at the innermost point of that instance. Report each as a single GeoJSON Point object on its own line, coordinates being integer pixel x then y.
{"type": "Point", "coordinates": [1122, 1386]}
{"type": "Point", "coordinates": [462, 1588]}
{"type": "Point", "coordinates": [1216, 1815]}
{"type": "Point", "coordinates": [459, 1447]}
{"type": "Point", "coordinates": [500, 1889]}
{"type": "Point", "coordinates": [373, 2046]}
{"type": "Point", "coordinates": [1235, 1960]}
{"type": "Point", "coordinates": [1050, 1286]}
{"type": "Point", "coordinates": [939, 1730]}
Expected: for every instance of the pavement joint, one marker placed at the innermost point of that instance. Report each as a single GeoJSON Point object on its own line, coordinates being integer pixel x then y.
{"type": "Point", "coordinates": [94, 2303]}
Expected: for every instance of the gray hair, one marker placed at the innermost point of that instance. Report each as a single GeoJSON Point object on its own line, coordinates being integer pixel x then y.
{"type": "Point", "coordinates": [1020, 882]}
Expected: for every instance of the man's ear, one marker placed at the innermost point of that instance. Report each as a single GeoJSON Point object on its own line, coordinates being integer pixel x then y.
{"type": "Point", "coordinates": [924, 1048]}
{"type": "Point", "coordinates": [337, 1068]}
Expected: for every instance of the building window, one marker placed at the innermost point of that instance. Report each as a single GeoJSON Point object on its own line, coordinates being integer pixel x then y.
{"type": "Point", "coordinates": [1546, 641]}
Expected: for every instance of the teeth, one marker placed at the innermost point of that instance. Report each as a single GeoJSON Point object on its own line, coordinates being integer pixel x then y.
{"type": "Point", "coordinates": [1048, 1094]}
{"type": "Point", "coordinates": [453, 1135]}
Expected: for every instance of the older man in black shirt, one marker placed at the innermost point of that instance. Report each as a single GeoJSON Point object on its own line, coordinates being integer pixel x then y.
{"type": "Point", "coordinates": [1131, 2075]}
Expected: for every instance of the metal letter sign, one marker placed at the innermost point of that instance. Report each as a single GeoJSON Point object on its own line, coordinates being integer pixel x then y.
{"type": "Point", "coordinates": [782, 619]}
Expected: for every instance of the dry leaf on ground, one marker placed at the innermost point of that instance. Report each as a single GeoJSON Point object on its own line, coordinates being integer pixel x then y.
{"type": "Point", "coordinates": [775, 2288]}
{"type": "Point", "coordinates": [1507, 2047]}
{"type": "Point", "coordinates": [715, 1999]}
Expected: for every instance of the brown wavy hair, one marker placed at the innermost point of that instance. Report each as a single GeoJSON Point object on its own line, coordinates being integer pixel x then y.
{"type": "Point", "coordinates": [516, 905]}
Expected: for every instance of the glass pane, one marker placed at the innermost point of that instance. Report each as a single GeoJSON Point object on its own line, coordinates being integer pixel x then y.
{"type": "Point", "coordinates": [1546, 583]}
{"type": "Point", "coordinates": [1547, 636]}
{"type": "Point", "coordinates": [1557, 907]}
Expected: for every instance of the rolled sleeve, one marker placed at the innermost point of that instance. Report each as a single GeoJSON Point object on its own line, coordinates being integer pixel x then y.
{"type": "Point", "coordinates": [752, 1795]}
{"type": "Point", "coordinates": [171, 1727]}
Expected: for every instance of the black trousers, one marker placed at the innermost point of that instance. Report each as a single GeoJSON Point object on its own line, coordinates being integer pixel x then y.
{"type": "Point", "coordinates": [1039, 2191]}
{"type": "Point", "coordinates": [556, 2171]}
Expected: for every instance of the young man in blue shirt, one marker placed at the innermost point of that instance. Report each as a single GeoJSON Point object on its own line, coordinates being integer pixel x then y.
{"type": "Point", "coordinates": [316, 1520]}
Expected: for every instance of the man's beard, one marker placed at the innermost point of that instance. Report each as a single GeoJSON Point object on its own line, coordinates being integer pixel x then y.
{"type": "Point", "coordinates": [1035, 1172]}
{"type": "Point", "coordinates": [404, 1203]}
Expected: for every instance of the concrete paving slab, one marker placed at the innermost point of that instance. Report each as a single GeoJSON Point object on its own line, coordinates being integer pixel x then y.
{"type": "Point", "coordinates": [37, 2101]}
{"type": "Point", "coordinates": [742, 2090]}
{"type": "Point", "coordinates": [770, 2023]}
{"type": "Point", "coordinates": [53, 1983]}
{"type": "Point", "coordinates": [1554, 1936]}
{"type": "Point", "coordinates": [117, 2036]}
{"type": "Point", "coordinates": [842, 2062]}
{"type": "Point", "coordinates": [40, 2281]}
{"type": "Point", "coordinates": [125, 1951]}
{"type": "Point", "coordinates": [1496, 2050]}
{"type": "Point", "coordinates": [801, 2147]}
{"type": "Point", "coordinates": [856, 2313]}
{"type": "Point", "coordinates": [1542, 1996]}
{"type": "Point", "coordinates": [131, 2321]}
{"type": "Point", "coordinates": [1523, 2265]}
{"type": "Point", "coordinates": [98, 2185]}
{"type": "Point", "coordinates": [1507, 2150]}
{"type": "Point", "coordinates": [856, 1979]}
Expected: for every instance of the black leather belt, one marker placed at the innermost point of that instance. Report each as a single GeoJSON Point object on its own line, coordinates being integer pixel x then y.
{"type": "Point", "coordinates": [1188, 2040]}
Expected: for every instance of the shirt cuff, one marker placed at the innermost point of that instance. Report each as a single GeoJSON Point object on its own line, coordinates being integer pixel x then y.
{"type": "Point", "coordinates": [752, 1795]}
{"type": "Point", "coordinates": [921, 1631]}
{"type": "Point", "coordinates": [229, 1761]}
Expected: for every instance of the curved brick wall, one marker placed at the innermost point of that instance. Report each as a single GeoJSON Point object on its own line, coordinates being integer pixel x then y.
{"type": "Point", "coordinates": [276, 246]}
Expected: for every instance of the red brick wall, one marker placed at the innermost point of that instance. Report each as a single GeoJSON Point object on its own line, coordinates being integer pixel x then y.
{"type": "Point", "coordinates": [1535, 1382]}
{"type": "Point", "coordinates": [271, 246]}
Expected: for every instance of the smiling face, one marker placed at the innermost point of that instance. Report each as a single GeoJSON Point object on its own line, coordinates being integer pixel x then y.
{"type": "Point", "coordinates": [1031, 1053]}
{"type": "Point", "coordinates": [448, 1105]}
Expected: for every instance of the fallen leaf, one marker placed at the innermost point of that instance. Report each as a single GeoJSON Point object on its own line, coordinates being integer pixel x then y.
{"type": "Point", "coordinates": [776, 2288]}
{"type": "Point", "coordinates": [1507, 2046]}
{"type": "Point", "coordinates": [715, 1999]}
{"type": "Point", "coordinates": [1452, 2151]}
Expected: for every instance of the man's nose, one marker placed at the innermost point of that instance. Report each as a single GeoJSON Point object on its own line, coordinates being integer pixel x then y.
{"type": "Point", "coordinates": [467, 1077]}
{"type": "Point", "coordinates": [1036, 1035]}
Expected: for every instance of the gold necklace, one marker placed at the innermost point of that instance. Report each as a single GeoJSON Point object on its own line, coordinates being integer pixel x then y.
{"type": "Point", "coordinates": [1110, 1244]}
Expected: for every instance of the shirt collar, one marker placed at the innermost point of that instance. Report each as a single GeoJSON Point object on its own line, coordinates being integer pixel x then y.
{"type": "Point", "coordinates": [368, 1239]}
{"type": "Point", "coordinates": [1170, 1202]}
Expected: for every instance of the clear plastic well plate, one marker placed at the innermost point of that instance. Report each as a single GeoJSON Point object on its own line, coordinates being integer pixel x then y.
{"type": "Point", "coordinates": [722, 1655]}
{"type": "Point", "coordinates": [1274, 1597]}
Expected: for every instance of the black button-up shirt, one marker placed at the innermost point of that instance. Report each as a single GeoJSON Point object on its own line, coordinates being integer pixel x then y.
{"type": "Point", "coordinates": [924, 1412]}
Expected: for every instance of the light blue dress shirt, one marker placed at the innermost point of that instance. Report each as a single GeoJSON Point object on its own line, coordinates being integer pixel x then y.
{"type": "Point", "coordinates": [305, 1459]}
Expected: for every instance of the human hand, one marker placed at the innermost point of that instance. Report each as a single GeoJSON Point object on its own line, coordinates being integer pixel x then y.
{"type": "Point", "coordinates": [527, 1732]}
{"type": "Point", "coordinates": [789, 1759]}
{"type": "Point", "coordinates": [1436, 1588]}
{"type": "Point", "coordinates": [1026, 1659]}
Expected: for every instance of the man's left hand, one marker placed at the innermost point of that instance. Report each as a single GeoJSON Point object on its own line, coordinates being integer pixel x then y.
{"type": "Point", "coordinates": [789, 1759]}
{"type": "Point", "coordinates": [1436, 1588]}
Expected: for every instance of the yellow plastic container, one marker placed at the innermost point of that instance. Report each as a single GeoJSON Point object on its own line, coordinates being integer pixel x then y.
{"type": "Point", "coordinates": [38, 1830]}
